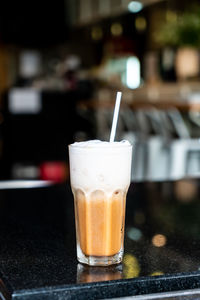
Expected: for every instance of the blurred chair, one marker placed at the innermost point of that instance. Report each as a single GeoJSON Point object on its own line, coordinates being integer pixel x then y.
{"type": "Point", "coordinates": [157, 150]}
{"type": "Point", "coordinates": [180, 127]}
{"type": "Point", "coordinates": [184, 158]}
{"type": "Point", "coordinates": [162, 145]}
{"type": "Point", "coordinates": [169, 157]}
{"type": "Point", "coordinates": [184, 151]}
{"type": "Point", "coordinates": [134, 135]}
{"type": "Point", "coordinates": [148, 136]}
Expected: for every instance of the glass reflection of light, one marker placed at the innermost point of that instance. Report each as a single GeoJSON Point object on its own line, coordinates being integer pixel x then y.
{"type": "Point", "coordinates": [131, 266]}
{"type": "Point", "coordinates": [95, 274]}
{"type": "Point", "coordinates": [157, 273]}
{"type": "Point", "coordinates": [159, 240]}
{"type": "Point", "coordinates": [134, 234]}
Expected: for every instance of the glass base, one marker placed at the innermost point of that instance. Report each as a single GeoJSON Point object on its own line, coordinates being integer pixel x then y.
{"type": "Point", "coordinates": [100, 260]}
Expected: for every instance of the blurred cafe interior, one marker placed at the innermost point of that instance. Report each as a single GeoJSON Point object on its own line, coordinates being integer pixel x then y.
{"type": "Point", "coordinates": [61, 65]}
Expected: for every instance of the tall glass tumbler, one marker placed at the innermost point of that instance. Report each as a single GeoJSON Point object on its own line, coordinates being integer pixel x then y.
{"type": "Point", "coordinates": [100, 177]}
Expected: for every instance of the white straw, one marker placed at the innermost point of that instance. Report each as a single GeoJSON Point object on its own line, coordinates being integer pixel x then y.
{"type": "Point", "coordinates": [115, 116]}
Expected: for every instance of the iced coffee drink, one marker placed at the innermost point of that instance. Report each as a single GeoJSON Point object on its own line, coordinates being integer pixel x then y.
{"type": "Point", "coordinates": [100, 178]}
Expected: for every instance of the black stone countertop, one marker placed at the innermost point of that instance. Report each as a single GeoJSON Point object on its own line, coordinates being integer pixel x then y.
{"type": "Point", "coordinates": [38, 253]}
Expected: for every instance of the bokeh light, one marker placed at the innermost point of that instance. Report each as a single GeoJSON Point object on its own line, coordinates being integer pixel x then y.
{"type": "Point", "coordinates": [131, 266]}
{"type": "Point", "coordinates": [140, 24]}
{"type": "Point", "coordinates": [97, 33]}
{"type": "Point", "coordinates": [159, 240]}
{"type": "Point", "coordinates": [135, 6]}
{"type": "Point", "coordinates": [116, 29]}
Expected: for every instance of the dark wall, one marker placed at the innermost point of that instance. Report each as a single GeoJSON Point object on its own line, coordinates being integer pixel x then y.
{"type": "Point", "coordinates": [33, 23]}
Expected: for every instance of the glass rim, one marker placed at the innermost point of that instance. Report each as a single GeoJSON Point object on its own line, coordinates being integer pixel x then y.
{"type": "Point", "coordinates": [101, 148]}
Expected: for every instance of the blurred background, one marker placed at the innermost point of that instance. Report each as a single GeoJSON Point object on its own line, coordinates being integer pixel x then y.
{"type": "Point", "coordinates": [61, 64]}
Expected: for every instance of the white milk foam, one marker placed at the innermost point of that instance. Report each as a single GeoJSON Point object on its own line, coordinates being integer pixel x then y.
{"type": "Point", "coordinates": [96, 165]}
{"type": "Point", "coordinates": [100, 144]}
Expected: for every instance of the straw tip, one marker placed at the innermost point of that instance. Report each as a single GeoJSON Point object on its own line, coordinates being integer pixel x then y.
{"type": "Point", "coordinates": [115, 116]}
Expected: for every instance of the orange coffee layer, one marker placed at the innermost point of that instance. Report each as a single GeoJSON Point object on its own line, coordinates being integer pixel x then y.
{"type": "Point", "coordinates": [100, 222]}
